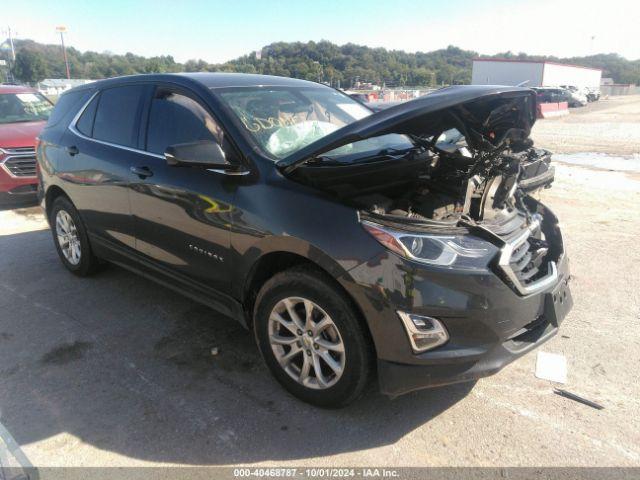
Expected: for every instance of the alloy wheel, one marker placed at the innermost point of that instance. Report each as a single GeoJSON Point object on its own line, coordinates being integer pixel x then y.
{"type": "Point", "coordinates": [306, 343]}
{"type": "Point", "coordinates": [68, 238]}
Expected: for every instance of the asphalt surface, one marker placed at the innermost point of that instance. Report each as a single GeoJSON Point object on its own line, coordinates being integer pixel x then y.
{"type": "Point", "coordinates": [114, 370]}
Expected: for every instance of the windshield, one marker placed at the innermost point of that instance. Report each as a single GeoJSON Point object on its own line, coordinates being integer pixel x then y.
{"type": "Point", "coordinates": [284, 120]}
{"type": "Point", "coordinates": [24, 107]}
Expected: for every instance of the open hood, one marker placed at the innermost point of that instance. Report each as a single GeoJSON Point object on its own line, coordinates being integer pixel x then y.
{"type": "Point", "coordinates": [487, 115]}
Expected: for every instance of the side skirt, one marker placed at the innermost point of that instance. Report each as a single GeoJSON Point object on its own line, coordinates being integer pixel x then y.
{"type": "Point", "coordinates": [135, 263]}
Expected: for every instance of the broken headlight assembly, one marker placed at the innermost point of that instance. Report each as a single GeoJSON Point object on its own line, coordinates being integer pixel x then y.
{"type": "Point", "coordinates": [464, 252]}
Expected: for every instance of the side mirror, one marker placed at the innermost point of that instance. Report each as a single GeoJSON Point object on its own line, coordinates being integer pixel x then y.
{"type": "Point", "coordinates": [203, 154]}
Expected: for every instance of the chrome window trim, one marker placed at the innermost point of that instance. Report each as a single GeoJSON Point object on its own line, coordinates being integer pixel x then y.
{"type": "Point", "coordinates": [72, 127]}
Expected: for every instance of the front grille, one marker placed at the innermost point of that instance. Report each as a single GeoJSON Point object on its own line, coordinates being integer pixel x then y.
{"type": "Point", "coordinates": [20, 162]}
{"type": "Point", "coordinates": [20, 151]}
{"type": "Point", "coordinates": [527, 260]}
{"type": "Point", "coordinates": [523, 259]}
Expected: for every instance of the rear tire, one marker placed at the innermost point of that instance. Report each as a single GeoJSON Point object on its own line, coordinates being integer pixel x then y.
{"type": "Point", "coordinates": [323, 357]}
{"type": "Point", "coordinates": [70, 238]}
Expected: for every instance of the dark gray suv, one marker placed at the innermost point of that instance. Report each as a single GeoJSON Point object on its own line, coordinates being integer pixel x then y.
{"type": "Point", "coordinates": [403, 243]}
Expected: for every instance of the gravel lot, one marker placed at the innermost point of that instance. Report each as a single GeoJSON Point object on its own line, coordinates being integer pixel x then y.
{"type": "Point", "coordinates": [609, 126]}
{"type": "Point", "coordinates": [116, 371]}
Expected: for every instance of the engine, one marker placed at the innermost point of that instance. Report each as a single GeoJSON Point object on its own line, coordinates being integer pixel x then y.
{"type": "Point", "coordinates": [457, 185]}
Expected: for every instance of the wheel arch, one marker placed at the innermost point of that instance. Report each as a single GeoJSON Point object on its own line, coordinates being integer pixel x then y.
{"type": "Point", "coordinates": [273, 262]}
{"type": "Point", "coordinates": [53, 192]}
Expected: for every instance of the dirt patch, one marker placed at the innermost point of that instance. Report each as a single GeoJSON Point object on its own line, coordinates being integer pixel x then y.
{"type": "Point", "coordinates": [63, 354]}
{"type": "Point", "coordinates": [189, 345]}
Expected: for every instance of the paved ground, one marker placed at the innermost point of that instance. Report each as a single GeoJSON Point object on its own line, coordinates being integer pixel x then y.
{"type": "Point", "coordinates": [115, 370]}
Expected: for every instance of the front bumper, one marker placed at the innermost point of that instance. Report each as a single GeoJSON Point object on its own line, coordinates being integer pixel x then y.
{"type": "Point", "coordinates": [489, 323]}
{"type": "Point", "coordinates": [463, 365]}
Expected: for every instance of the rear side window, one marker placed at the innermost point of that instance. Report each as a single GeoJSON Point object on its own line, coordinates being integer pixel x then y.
{"type": "Point", "coordinates": [175, 118]}
{"type": "Point", "coordinates": [117, 115]}
{"type": "Point", "coordinates": [85, 123]}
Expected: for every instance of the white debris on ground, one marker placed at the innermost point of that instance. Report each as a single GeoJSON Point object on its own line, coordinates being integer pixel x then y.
{"type": "Point", "coordinates": [552, 367]}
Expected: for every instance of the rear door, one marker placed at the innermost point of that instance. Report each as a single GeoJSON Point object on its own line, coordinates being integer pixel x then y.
{"type": "Point", "coordinates": [183, 214]}
{"type": "Point", "coordinates": [101, 145]}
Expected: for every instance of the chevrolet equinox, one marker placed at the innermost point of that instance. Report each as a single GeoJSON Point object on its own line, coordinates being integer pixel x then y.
{"type": "Point", "coordinates": [403, 244]}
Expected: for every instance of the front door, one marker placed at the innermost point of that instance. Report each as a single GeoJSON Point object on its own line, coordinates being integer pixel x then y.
{"type": "Point", "coordinates": [182, 214]}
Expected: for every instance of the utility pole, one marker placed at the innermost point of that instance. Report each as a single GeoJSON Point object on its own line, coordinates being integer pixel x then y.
{"type": "Point", "coordinates": [12, 60]}
{"type": "Point", "coordinates": [62, 30]}
{"type": "Point", "coordinates": [13, 50]}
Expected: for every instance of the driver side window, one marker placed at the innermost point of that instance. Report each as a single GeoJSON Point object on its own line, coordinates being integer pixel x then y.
{"type": "Point", "coordinates": [176, 118]}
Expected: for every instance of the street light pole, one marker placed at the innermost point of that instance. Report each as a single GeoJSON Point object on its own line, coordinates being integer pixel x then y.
{"type": "Point", "coordinates": [62, 30]}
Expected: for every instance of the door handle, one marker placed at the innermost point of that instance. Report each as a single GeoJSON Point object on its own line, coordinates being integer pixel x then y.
{"type": "Point", "coordinates": [73, 150]}
{"type": "Point", "coordinates": [142, 172]}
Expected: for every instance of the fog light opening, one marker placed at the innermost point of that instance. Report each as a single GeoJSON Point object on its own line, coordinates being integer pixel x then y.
{"type": "Point", "coordinates": [425, 333]}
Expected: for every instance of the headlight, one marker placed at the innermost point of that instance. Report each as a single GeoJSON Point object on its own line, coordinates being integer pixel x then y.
{"type": "Point", "coordinates": [450, 251]}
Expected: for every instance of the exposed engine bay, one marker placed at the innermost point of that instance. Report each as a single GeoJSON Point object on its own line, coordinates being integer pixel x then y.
{"type": "Point", "coordinates": [440, 181]}
{"type": "Point", "coordinates": [455, 185]}
{"type": "Point", "coordinates": [472, 165]}
{"type": "Point", "coordinates": [470, 160]}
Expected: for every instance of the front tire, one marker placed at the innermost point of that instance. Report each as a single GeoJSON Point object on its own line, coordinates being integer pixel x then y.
{"type": "Point", "coordinates": [70, 238]}
{"type": "Point", "coordinates": [311, 339]}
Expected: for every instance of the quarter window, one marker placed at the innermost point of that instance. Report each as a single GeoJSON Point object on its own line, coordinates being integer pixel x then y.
{"type": "Point", "coordinates": [175, 118]}
{"type": "Point", "coordinates": [85, 123]}
{"type": "Point", "coordinates": [67, 102]}
{"type": "Point", "coordinates": [117, 115]}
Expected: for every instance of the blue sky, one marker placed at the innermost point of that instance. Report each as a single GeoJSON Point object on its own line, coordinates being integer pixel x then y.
{"type": "Point", "coordinates": [221, 30]}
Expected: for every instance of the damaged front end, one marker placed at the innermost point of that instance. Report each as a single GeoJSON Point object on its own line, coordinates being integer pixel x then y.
{"type": "Point", "coordinates": [455, 189]}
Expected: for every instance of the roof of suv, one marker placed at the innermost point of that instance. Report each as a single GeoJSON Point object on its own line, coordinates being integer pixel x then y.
{"type": "Point", "coordinates": [213, 80]}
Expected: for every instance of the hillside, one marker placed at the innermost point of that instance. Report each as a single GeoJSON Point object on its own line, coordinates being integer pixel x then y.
{"type": "Point", "coordinates": [319, 61]}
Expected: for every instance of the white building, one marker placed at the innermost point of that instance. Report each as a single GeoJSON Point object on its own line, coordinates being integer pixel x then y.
{"type": "Point", "coordinates": [492, 71]}
{"type": "Point", "coordinates": [55, 86]}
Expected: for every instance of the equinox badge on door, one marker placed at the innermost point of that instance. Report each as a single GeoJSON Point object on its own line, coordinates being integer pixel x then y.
{"type": "Point", "coordinates": [206, 253]}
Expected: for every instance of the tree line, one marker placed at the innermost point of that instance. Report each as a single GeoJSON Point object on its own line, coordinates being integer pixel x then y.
{"type": "Point", "coordinates": [338, 65]}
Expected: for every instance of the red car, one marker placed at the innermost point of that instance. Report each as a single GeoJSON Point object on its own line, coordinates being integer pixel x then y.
{"type": "Point", "coordinates": [23, 114]}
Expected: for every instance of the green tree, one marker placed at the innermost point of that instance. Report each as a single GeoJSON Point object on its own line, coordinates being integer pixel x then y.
{"type": "Point", "coordinates": [315, 61]}
{"type": "Point", "coordinates": [30, 66]}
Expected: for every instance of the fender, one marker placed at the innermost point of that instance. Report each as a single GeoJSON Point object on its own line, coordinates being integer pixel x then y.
{"type": "Point", "coordinates": [285, 244]}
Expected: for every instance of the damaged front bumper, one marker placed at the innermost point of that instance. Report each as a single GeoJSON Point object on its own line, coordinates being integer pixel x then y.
{"type": "Point", "coordinates": [467, 362]}
{"type": "Point", "coordinates": [489, 320]}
